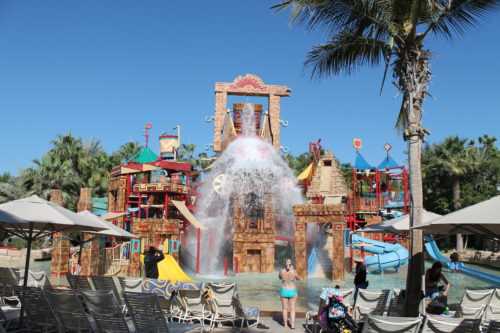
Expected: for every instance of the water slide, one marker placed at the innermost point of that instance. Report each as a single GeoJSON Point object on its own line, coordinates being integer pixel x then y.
{"type": "Point", "coordinates": [169, 269]}
{"type": "Point", "coordinates": [436, 255]}
{"type": "Point", "coordinates": [386, 256]}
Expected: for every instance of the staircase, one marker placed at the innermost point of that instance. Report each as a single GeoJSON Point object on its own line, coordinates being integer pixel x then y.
{"type": "Point", "coordinates": [114, 257]}
{"type": "Point", "coordinates": [324, 257]}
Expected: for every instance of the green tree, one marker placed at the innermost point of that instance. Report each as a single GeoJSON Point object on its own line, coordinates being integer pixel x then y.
{"type": "Point", "coordinates": [11, 189]}
{"type": "Point", "coordinates": [452, 159]}
{"type": "Point", "coordinates": [373, 32]}
{"type": "Point", "coordinates": [125, 152]}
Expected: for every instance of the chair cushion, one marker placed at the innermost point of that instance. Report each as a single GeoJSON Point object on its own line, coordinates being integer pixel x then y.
{"type": "Point", "coordinates": [251, 312]}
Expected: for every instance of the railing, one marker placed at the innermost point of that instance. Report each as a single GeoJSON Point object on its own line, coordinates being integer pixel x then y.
{"type": "Point", "coordinates": [114, 257]}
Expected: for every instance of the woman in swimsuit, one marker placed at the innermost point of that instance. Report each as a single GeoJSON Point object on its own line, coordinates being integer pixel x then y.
{"type": "Point", "coordinates": [288, 292]}
{"type": "Point", "coordinates": [432, 277]}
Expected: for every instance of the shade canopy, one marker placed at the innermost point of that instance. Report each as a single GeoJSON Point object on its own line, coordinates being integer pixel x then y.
{"type": "Point", "coordinates": [43, 215]}
{"type": "Point", "coordinates": [10, 218]}
{"type": "Point", "coordinates": [482, 218]}
{"type": "Point", "coordinates": [398, 224]}
{"type": "Point", "coordinates": [113, 215]}
{"type": "Point", "coordinates": [111, 229]}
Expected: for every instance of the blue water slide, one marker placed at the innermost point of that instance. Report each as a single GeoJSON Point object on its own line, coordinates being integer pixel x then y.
{"type": "Point", "coordinates": [387, 255]}
{"type": "Point", "coordinates": [436, 255]}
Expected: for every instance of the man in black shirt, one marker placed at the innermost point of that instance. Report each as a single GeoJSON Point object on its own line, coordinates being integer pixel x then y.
{"type": "Point", "coordinates": [360, 281]}
{"type": "Point", "coordinates": [151, 261]}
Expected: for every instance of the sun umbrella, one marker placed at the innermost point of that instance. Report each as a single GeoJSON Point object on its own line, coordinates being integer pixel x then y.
{"type": "Point", "coordinates": [42, 217]}
{"type": "Point", "coordinates": [482, 218]}
{"type": "Point", "coordinates": [111, 229]}
{"type": "Point", "coordinates": [398, 224]}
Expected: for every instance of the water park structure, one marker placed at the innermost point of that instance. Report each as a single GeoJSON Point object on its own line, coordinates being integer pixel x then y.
{"type": "Point", "coordinates": [247, 211]}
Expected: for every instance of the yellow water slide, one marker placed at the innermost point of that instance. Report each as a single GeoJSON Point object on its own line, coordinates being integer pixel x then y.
{"type": "Point", "coordinates": [169, 269]}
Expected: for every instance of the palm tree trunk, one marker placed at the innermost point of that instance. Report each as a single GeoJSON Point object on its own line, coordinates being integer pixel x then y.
{"type": "Point", "coordinates": [412, 70]}
{"type": "Point", "coordinates": [416, 264]}
{"type": "Point", "coordinates": [457, 205]}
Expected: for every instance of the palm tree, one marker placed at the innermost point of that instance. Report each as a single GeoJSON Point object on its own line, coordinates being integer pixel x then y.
{"type": "Point", "coordinates": [373, 32]}
{"type": "Point", "coordinates": [452, 159]}
{"type": "Point", "coordinates": [126, 152]}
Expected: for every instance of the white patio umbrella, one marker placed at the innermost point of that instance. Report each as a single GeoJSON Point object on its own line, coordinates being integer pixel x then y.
{"type": "Point", "coordinates": [111, 229]}
{"type": "Point", "coordinates": [482, 218]}
{"type": "Point", "coordinates": [398, 224]}
{"type": "Point", "coordinates": [41, 218]}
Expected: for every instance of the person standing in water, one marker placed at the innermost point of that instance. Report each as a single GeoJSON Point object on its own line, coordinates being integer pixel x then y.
{"type": "Point", "coordinates": [288, 292]}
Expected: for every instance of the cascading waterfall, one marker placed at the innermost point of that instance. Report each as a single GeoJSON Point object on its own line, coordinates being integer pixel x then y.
{"type": "Point", "coordinates": [249, 168]}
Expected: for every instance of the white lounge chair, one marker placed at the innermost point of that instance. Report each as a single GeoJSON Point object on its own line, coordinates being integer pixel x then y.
{"type": "Point", "coordinates": [195, 306]}
{"type": "Point", "coordinates": [382, 324]}
{"type": "Point", "coordinates": [370, 301]}
{"type": "Point", "coordinates": [450, 325]}
{"type": "Point", "coordinates": [397, 304]}
{"type": "Point", "coordinates": [473, 303]}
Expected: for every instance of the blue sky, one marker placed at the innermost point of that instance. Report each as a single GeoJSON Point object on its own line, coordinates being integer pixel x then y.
{"type": "Point", "coordinates": [106, 68]}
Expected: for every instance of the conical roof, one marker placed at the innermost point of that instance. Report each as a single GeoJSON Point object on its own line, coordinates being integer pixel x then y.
{"type": "Point", "coordinates": [387, 162]}
{"type": "Point", "coordinates": [361, 164]}
{"type": "Point", "coordinates": [145, 155]}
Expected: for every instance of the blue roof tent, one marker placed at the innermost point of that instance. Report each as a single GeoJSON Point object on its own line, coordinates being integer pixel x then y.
{"type": "Point", "coordinates": [361, 164]}
{"type": "Point", "coordinates": [387, 163]}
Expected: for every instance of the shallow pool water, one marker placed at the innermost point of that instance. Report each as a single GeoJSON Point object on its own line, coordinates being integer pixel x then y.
{"type": "Point", "coordinates": [262, 289]}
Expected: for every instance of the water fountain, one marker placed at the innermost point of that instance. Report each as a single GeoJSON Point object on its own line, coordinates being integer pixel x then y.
{"type": "Point", "coordinates": [247, 201]}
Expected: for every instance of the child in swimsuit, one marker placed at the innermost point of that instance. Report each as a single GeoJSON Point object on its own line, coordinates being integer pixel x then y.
{"type": "Point", "coordinates": [288, 292]}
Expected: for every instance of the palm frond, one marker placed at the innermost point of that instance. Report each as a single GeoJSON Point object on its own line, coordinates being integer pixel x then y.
{"type": "Point", "coordinates": [369, 18]}
{"type": "Point", "coordinates": [345, 53]}
{"type": "Point", "coordinates": [456, 16]}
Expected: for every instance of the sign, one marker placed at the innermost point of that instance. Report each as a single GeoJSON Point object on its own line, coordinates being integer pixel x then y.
{"type": "Point", "coordinates": [135, 245]}
{"type": "Point", "coordinates": [387, 147]}
{"type": "Point", "coordinates": [357, 143]}
{"type": "Point", "coordinates": [173, 246]}
{"type": "Point", "coordinates": [300, 226]}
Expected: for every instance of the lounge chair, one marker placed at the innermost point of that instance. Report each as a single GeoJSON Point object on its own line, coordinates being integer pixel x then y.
{"type": "Point", "coordinates": [9, 315]}
{"type": "Point", "coordinates": [106, 311]}
{"type": "Point", "coordinates": [397, 304]}
{"type": "Point", "coordinates": [492, 309]}
{"type": "Point", "coordinates": [473, 303]}
{"type": "Point", "coordinates": [370, 301]}
{"type": "Point", "coordinates": [195, 306]}
{"type": "Point", "coordinates": [493, 327]}
{"type": "Point", "coordinates": [8, 281]}
{"type": "Point", "coordinates": [170, 306]}
{"type": "Point", "coordinates": [325, 320]}
{"type": "Point", "coordinates": [68, 310]}
{"type": "Point", "coordinates": [130, 284]}
{"type": "Point", "coordinates": [247, 314]}
{"type": "Point", "coordinates": [146, 312]}
{"type": "Point", "coordinates": [106, 283]}
{"type": "Point", "coordinates": [383, 324]}
{"type": "Point", "coordinates": [37, 309]}
{"type": "Point", "coordinates": [78, 282]}
{"type": "Point", "coordinates": [224, 302]}
{"type": "Point", "coordinates": [40, 279]}
{"type": "Point", "coordinates": [348, 295]}
{"type": "Point", "coordinates": [448, 325]}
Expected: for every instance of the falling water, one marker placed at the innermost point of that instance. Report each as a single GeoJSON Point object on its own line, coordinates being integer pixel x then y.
{"type": "Point", "coordinates": [248, 168]}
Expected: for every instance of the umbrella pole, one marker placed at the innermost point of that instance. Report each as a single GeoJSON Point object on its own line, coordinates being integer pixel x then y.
{"type": "Point", "coordinates": [80, 252]}
{"type": "Point", "coordinates": [26, 270]}
{"type": "Point", "coordinates": [28, 255]}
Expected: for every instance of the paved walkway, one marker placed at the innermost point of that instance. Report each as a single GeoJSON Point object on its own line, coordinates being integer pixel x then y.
{"type": "Point", "coordinates": [266, 324]}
